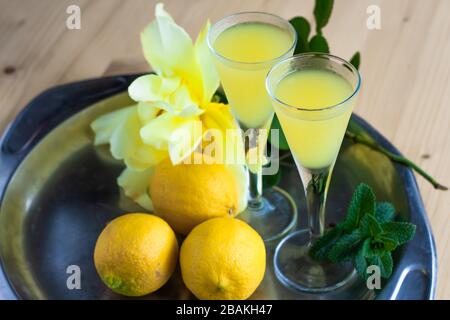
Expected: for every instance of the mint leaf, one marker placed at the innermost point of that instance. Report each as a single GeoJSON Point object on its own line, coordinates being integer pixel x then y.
{"type": "Point", "coordinates": [364, 227]}
{"type": "Point", "coordinates": [360, 264]}
{"type": "Point", "coordinates": [384, 212]}
{"type": "Point", "coordinates": [401, 232]}
{"type": "Point", "coordinates": [319, 44]}
{"type": "Point", "coordinates": [369, 226]}
{"type": "Point", "coordinates": [362, 202]}
{"type": "Point", "coordinates": [345, 247]}
{"type": "Point", "coordinates": [356, 60]}
{"type": "Point", "coordinates": [366, 237]}
{"type": "Point", "coordinates": [374, 227]}
{"type": "Point", "coordinates": [384, 262]}
{"type": "Point", "coordinates": [303, 29]}
{"type": "Point", "coordinates": [322, 13]}
{"type": "Point", "coordinates": [379, 247]}
{"type": "Point", "coordinates": [366, 257]}
{"type": "Point", "coordinates": [281, 143]}
{"type": "Point", "coordinates": [321, 247]}
{"type": "Point", "coordinates": [389, 244]}
{"type": "Point", "coordinates": [365, 248]}
{"type": "Point", "coordinates": [387, 264]}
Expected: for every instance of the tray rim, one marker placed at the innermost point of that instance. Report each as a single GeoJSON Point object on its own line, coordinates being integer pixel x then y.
{"type": "Point", "coordinates": [10, 162]}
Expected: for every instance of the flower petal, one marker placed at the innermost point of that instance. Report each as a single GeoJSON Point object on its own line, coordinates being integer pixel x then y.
{"type": "Point", "coordinates": [221, 115]}
{"type": "Point", "coordinates": [135, 186]}
{"type": "Point", "coordinates": [105, 125]}
{"type": "Point", "coordinates": [167, 47]}
{"type": "Point", "coordinates": [183, 104]}
{"type": "Point", "coordinates": [147, 111]}
{"type": "Point", "coordinates": [191, 111]}
{"type": "Point", "coordinates": [127, 145]}
{"type": "Point", "coordinates": [125, 138]}
{"type": "Point", "coordinates": [209, 76]}
{"type": "Point", "coordinates": [146, 88]}
{"type": "Point", "coordinates": [170, 84]}
{"type": "Point", "coordinates": [157, 132]}
{"type": "Point", "coordinates": [144, 157]}
{"type": "Point", "coordinates": [185, 139]}
{"type": "Point", "coordinates": [231, 148]}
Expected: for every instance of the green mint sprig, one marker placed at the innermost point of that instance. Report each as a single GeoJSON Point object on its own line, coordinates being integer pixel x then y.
{"type": "Point", "coordinates": [367, 236]}
{"type": "Point", "coordinates": [318, 43]}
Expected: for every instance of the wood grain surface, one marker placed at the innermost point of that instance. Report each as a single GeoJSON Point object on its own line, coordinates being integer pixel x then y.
{"type": "Point", "coordinates": [405, 67]}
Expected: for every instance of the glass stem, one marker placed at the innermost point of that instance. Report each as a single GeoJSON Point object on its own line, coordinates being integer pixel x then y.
{"type": "Point", "coordinates": [255, 188]}
{"type": "Point", "coordinates": [316, 183]}
{"type": "Point", "coordinates": [254, 149]}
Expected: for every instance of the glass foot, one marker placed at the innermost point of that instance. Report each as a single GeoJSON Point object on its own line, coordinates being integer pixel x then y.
{"type": "Point", "coordinates": [276, 216]}
{"type": "Point", "coordinates": [295, 269]}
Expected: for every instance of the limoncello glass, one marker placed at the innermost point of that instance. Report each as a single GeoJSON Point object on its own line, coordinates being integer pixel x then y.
{"type": "Point", "coordinates": [245, 46]}
{"type": "Point", "coordinates": [313, 95]}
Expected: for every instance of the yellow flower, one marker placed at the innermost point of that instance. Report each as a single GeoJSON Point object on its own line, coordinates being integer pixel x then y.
{"type": "Point", "coordinates": [182, 88]}
{"type": "Point", "coordinates": [173, 115]}
{"type": "Point", "coordinates": [170, 51]}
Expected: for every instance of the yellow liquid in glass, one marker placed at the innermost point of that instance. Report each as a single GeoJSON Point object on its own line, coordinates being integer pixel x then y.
{"type": "Point", "coordinates": [314, 137]}
{"type": "Point", "coordinates": [251, 47]}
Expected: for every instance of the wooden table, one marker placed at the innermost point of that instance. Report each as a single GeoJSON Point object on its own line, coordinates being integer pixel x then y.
{"type": "Point", "coordinates": [405, 67]}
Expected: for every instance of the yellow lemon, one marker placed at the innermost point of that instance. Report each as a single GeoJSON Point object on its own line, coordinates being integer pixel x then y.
{"type": "Point", "coordinates": [223, 258]}
{"type": "Point", "coordinates": [188, 194]}
{"type": "Point", "coordinates": [136, 254]}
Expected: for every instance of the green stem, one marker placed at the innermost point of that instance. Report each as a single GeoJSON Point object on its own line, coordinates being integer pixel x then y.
{"type": "Point", "coordinates": [394, 157]}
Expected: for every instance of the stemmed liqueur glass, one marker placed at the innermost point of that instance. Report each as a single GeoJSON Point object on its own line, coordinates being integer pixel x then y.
{"type": "Point", "coordinates": [245, 46]}
{"type": "Point", "coordinates": [329, 87]}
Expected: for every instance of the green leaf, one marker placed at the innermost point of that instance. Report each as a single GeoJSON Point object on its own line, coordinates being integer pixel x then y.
{"type": "Point", "coordinates": [384, 262]}
{"type": "Point", "coordinates": [366, 237]}
{"type": "Point", "coordinates": [301, 25]}
{"type": "Point", "coordinates": [280, 143]}
{"type": "Point", "coordinates": [387, 264]}
{"type": "Point", "coordinates": [401, 232]}
{"type": "Point", "coordinates": [318, 183]}
{"type": "Point", "coordinates": [380, 245]}
{"type": "Point", "coordinates": [364, 226]}
{"type": "Point", "coordinates": [321, 247]}
{"type": "Point", "coordinates": [389, 244]}
{"type": "Point", "coordinates": [384, 212]}
{"type": "Point", "coordinates": [362, 202]}
{"type": "Point", "coordinates": [360, 264]}
{"type": "Point", "coordinates": [374, 227]}
{"type": "Point", "coordinates": [220, 96]}
{"type": "Point", "coordinates": [365, 248]}
{"type": "Point", "coordinates": [303, 29]}
{"type": "Point", "coordinates": [345, 247]}
{"type": "Point", "coordinates": [319, 44]}
{"type": "Point", "coordinates": [356, 60]}
{"type": "Point", "coordinates": [377, 248]}
{"type": "Point", "coordinates": [322, 13]}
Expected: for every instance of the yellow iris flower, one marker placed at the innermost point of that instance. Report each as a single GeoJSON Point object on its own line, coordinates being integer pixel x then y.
{"type": "Point", "coordinates": [173, 111]}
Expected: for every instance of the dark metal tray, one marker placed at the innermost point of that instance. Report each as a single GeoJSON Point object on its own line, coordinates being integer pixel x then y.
{"type": "Point", "coordinates": [58, 191]}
